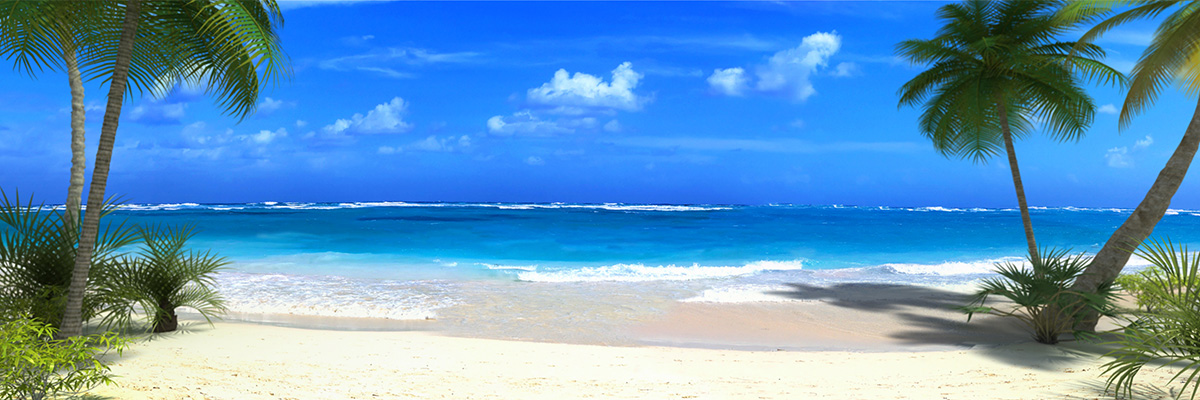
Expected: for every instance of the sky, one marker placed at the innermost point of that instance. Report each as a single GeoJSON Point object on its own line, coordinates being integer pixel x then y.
{"type": "Point", "coordinates": [635, 102]}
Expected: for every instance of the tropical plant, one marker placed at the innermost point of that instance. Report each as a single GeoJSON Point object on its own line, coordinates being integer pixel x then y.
{"type": "Point", "coordinates": [997, 73]}
{"type": "Point", "coordinates": [37, 254]}
{"type": "Point", "coordinates": [1040, 295]}
{"type": "Point", "coordinates": [1170, 334]}
{"type": "Point", "coordinates": [225, 44]}
{"type": "Point", "coordinates": [1172, 56]}
{"type": "Point", "coordinates": [35, 366]}
{"type": "Point", "coordinates": [37, 35]}
{"type": "Point", "coordinates": [164, 276]}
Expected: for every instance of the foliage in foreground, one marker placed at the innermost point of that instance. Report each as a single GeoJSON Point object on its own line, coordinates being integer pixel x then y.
{"type": "Point", "coordinates": [1170, 333]}
{"type": "Point", "coordinates": [34, 366]}
{"type": "Point", "coordinates": [1041, 294]}
{"type": "Point", "coordinates": [37, 256]}
{"type": "Point", "coordinates": [166, 275]}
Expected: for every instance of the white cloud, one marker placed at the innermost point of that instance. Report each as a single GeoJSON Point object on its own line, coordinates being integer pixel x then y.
{"type": "Point", "coordinates": [1144, 143]}
{"type": "Point", "coordinates": [389, 150]}
{"type": "Point", "coordinates": [797, 124]}
{"type": "Point", "coordinates": [612, 126]}
{"type": "Point", "coordinates": [1118, 157]}
{"type": "Point", "coordinates": [158, 112]}
{"type": "Point", "coordinates": [384, 118]}
{"type": "Point", "coordinates": [729, 81]}
{"type": "Point", "coordinates": [845, 69]}
{"type": "Point", "coordinates": [787, 72]}
{"type": "Point", "coordinates": [264, 136]}
{"type": "Point", "coordinates": [524, 123]}
{"type": "Point", "coordinates": [269, 105]}
{"type": "Point", "coordinates": [583, 93]}
{"type": "Point", "coordinates": [301, 123]}
{"type": "Point", "coordinates": [531, 160]}
{"type": "Point", "coordinates": [387, 61]}
{"type": "Point", "coordinates": [1108, 109]}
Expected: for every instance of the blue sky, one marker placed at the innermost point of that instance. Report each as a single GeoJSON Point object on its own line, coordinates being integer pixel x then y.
{"type": "Point", "coordinates": [672, 102]}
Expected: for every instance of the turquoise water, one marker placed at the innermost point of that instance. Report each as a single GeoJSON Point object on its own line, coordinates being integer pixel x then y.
{"type": "Point", "coordinates": [414, 260]}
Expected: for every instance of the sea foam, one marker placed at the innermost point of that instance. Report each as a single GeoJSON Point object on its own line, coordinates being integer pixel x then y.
{"type": "Point", "coordinates": [642, 273]}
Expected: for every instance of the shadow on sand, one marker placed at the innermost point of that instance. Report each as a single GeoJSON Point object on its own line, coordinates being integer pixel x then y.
{"type": "Point", "coordinates": [929, 316]}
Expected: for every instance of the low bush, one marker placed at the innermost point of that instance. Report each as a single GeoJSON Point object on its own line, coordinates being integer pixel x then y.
{"type": "Point", "coordinates": [1169, 333]}
{"type": "Point", "coordinates": [35, 366]}
{"type": "Point", "coordinates": [1041, 296]}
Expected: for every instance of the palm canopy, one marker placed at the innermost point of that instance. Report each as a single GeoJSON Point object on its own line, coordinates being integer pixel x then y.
{"type": "Point", "coordinates": [1174, 53]}
{"type": "Point", "coordinates": [1001, 60]}
{"type": "Point", "coordinates": [229, 46]}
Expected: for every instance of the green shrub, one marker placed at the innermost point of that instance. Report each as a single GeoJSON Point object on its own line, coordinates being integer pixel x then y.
{"type": "Point", "coordinates": [163, 276]}
{"type": "Point", "coordinates": [37, 258]}
{"type": "Point", "coordinates": [34, 366]}
{"type": "Point", "coordinates": [1041, 294]}
{"type": "Point", "coordinates": [1168, 334]}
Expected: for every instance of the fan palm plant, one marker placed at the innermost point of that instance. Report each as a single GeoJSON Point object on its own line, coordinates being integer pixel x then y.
{"type": "Point", "coordinates": [1169, 335]}
{"type": "Point", "coordinates": [230, 45]}
{"type": "Point", "coordinates": [1041, 294]}
{"type": "Point", "coordinates": [1172, 56]}
{"type": "Point", "coordinates": [37, 256]}
{"type": "Point", "coordinates": [996, 72]}
{"type": "Point", "coordinates": [164, 276]}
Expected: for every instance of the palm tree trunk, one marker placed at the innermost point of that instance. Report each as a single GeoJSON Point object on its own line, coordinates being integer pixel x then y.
{"type": "Point", "coordinates": [1020, 187]}
{"type": "Point", "coordinates": [72, 324]}
{"type": "Point", "coordinates": [1116, 251]}
{"type": "Point", "coordinates": [78, 156]}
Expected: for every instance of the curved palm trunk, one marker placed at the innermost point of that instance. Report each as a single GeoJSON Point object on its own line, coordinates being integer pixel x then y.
{"type": "Point", "coordinates": [72, 324]}
{"type": "Point", "coordinates": [78, 157]}
{"type": "Point", "coordinates": [1020, 187]}
{"type": "Point", "coordinates": [1116, 251]}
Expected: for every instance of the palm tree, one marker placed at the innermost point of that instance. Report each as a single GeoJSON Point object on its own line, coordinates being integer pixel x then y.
{"type": "Point", "coordinates": [40, 34]}
{"type": "Point", "coordinates": [224, 43]}
{"type": "Point", "coordinates": [1173, 54]}
{"type": "Point", "coordinates": [997, 72]}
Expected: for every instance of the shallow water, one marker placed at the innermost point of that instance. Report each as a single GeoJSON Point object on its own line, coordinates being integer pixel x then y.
{"type": "Point", "coordinates": [514, 264]}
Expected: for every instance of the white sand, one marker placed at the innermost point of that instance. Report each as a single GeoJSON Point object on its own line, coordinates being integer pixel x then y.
{"type": "Point", "coordinates": [903, 349]}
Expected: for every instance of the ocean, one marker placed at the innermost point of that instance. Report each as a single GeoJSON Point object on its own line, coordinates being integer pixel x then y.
{"type": "Point", "coordinates": [505, 262]}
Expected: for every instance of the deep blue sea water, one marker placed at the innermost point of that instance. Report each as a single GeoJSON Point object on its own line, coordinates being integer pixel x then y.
{"type": "Point", "coordinates": [412, 260]}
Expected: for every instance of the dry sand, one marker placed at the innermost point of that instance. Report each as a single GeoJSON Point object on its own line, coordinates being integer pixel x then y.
{"type": "Point", "coordinates": [848, 342]}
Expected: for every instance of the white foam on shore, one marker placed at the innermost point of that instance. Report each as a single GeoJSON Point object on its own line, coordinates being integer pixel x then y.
{"type": "Point", "coordinates": [740, 294]}
{"type": "Point", "coordinates": [332, 296]}
{"type": "Point", "coordinates": [643, 273]}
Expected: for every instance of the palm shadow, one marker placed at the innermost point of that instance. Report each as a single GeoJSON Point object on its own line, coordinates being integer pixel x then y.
{"type": "Point", "coordinates": [930, 317]}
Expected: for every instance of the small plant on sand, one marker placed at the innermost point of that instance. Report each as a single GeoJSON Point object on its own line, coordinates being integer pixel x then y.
{"type": "Point", "coordinates": [1040, 295]}
{"type": "Point", "coordinates": [1169, 335]}
{"type": "Point", "coordinates": [35, 366]}
{"type": "Point", "coordinates": [164, 276]}
{"type": "Point", "coordinates": [37, 256]}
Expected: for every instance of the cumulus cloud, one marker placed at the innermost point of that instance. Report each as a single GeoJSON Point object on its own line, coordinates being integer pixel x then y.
{"type": "Point", "coordinates": [786, 73]}
{"type": "Point", "coordinates": [1108, 109]}
{"type": "Point", "coordinates": [269, 105]}
{"type": "Point", "coordinates": [570, 103]}
{"type": "Point", "coordinates": [265, 136]}
{"type": "Point", "coordinates": [444, 144]}
{"type": "Point", "coordinates": [1122, 157]}
{"type": "Point", "coordinates": [524, 122]}
{"type": "Point", "coordinates": [1118, 157]}
{"type": "Point", "coordinates": [1144, 143]}
{"type": "Point", "coordinates": [384, 118]}
{"type": "Point", "coordinates": [388, 150]}
{"type": "Point", "coordinates": [729, 81]}
{"type": "Point", "coordinates": [583, 93]}
{"type": "Point", "coordinates": [535, 161]}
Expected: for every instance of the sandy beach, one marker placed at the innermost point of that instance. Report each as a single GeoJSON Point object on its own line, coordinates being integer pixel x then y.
{"type": "Point", "coordinates": [850, 342]}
